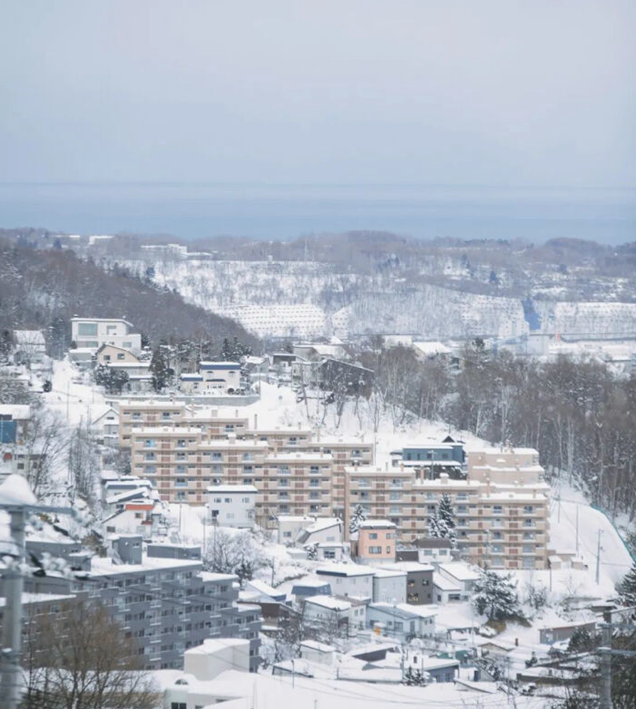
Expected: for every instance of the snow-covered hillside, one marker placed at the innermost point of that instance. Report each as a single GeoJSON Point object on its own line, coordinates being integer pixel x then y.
{"type": "Point", "coordinates": [308, 299]}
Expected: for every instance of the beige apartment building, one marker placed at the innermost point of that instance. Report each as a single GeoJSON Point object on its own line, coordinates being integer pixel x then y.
{"type": "Point", "coordinates": [185, 450]}
{"type": "Point", "coordinates": [501, 526]}
{"type": "Point", "coordinates": [505, 466]}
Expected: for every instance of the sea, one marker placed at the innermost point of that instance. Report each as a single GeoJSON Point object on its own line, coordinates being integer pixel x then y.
{"type": "Point", "coordinates": [269, 212]}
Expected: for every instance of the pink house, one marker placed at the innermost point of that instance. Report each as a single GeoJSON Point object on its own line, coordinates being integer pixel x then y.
{"type": "Point", "coordinates": [376, 541]}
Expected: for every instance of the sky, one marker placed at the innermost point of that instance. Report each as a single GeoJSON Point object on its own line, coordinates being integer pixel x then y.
{"type": "Point", "coordinates": [445, 92]}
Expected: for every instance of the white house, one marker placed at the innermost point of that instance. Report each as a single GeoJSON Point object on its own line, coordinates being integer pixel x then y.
{"type": "Point", "coordinates": [217, 655]}
{"type": "Point", "coordinates": [324, 529]}
{"type": "Point", "coordinates": [335, 612]}
{"type": "Point", "coordinates": [105, 422]}
{"type": "Point", "coordinates": [461, 575]}
{"type": "Point", "coordinates": [289, 526]}
{"type": "Point", "coordinates": [389, 586]}
{"type": "Point", "coordinates": [135, 516]}
{"type": "Point", "coordinates": [400, 621]}
{"type": "Point", "coordinates": [215, 378]}
{"type": "Point", "coordinates": [349, 580]}
{"type": "Point", "coordinates": [92, 333]}
{"type": "Point", "coordinates": [232, 505]}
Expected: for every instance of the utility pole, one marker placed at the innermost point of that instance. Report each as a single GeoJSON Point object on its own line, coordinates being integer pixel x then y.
{"type": "Point", "coordinates": [18, 501]}
{"type": "Point", "coordinates": [598, 556]}
{"type": "Point", "coordinates": [577, 529]}
{"type": "Point", "coordinates": [10, 673]}
{"type": "Point", "coordinates": [605, 652]}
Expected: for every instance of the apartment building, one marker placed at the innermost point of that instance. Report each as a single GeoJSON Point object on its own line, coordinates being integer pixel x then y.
{"type": "Point", "coordinates": [167, 603]}
{"type": "Point", "coordinates": [503, 526]}
{"type": "Point", "coordinates": [185, 450]}
{"type": "Point", "coordinates": [505, 466]}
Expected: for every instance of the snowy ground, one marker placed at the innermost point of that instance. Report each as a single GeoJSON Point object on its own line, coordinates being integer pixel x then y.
{"type": "Point", "coordinates": [73, 396]}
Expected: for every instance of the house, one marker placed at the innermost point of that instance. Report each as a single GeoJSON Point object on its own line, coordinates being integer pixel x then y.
{"type": "Point", "coordinates": [232, 505]}
{"type": "Point", "coordinates": [29, 347]}
{"type": "Point", "coordinates": [217, 378]}
{"type": "Point", "coordinates": [105, 423]}
{"type": "Point", "coordinates": [563, 631]}
{"type": "Point", "coordinates": [431, 550]}
{"type": "Point", "coordinates": [419, 581]}
{"type": "Point", "coordinates": [14, 422]}
{"type": "Point", "coordinates": [432, 350]}
{"type": "Point", "coordinates": [331, 612]}
{"type": "Point", "coordinates": [314, 651]}
{"type": "Point", "coordinates": [107, 354]}
{"type": "Point", "coordinates": [309, 587]}
{"type": "Point", "coordinates": [461, 575]}
{"type": "Point", "coordinates": [216, 655]}
{"type": "Point", "coordinates": [376, 541]}
{"type": "Point", "coordinates": [348, 580]}
{"type": "Point", "coordinates": [92, 333]}
{"type": "Point", "coordinates": [389, 585]}
{"type": "Point", "coordinates": [399, 621]}
{"type": "Point", "coordinates": [136, 516]}
{"type": "Point", "coordinates": [327, 529]}
{"type": "Point", "coordinates": [329, 551]}
{"type": "Point", "coordinates": [433, 458]}
{"type": "Point", "coordinates": [290, 526]}
{"type": "Point", "coordinates": [263, 592]}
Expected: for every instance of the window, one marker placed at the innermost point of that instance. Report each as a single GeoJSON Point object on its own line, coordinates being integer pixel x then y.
{"type": "Point", "coordinates": [178, 705]}
{"type": "Point", "coordinates": [373, 535]}
{"type": "Point", "coordinates": [120, 355]}
{"type": "Point", "coordinates": [85, 328]}
{"type": "Point", "coordinates": [374, 550]}
{"type": "Point", "coordinates": [497, 509]}
{"type": "Point", "coordinates": [106, 358]}
{"type": "Point", "coordinates": [528, 509]}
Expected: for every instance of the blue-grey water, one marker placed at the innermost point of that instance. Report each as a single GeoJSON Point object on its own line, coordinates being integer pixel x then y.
{"type": "Point", "coordinates": [287, 211]}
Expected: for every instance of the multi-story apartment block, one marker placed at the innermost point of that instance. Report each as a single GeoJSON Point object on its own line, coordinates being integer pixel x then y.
{"type": "Point", "coordinates": [505, 466]}
{"type": "Point", "coordinates": [503, 526]}
{"type": "Point", "coordinates": [185, 450]}
{"type": "Point", "coordinates": [92, 333]}
{"type": "Point", "coordinates": [165, 601]}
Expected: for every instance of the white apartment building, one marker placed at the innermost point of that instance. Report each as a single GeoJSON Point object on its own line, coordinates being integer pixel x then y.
{"type": "Point", "coordinates": [233, 505]}
{"type": "Point", "coordinates": [92, 333]}
{"type": "Point", "coordinates": [505, 466]}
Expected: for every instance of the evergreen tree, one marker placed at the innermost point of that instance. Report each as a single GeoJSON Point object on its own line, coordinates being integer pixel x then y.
{"type": "Point", "coordinates": [312, 552]}
{"type": "Point", "coordinates": [496, 596]}
{"type": "Point", "coordinates": [358, 515]}
{"type": "Point", "coordinates": [113, 380]}
{"type": "Point", "coordinates": [159, 369]}
{"type": "Point", "coordinates": [414, 677]}
{"type": "Point", "coordinates": [233, 350]}
{"type": "Point", "coordinates": [627, 588]}
{"type": "Point", "coordinates": [442, 524]}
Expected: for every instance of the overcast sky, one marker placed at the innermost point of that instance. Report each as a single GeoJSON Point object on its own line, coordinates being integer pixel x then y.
{"type": "Point", "coordinates": [454, 92]}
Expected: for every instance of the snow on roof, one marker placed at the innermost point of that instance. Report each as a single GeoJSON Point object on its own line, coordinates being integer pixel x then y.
{"type": "Point", "coordinates": [106, 566]}
{"type": "Point", "coordinates": [432, 347]}
{"type": "Point", "coordinates": [376, 524]}
{"type": "Point", "coordinates": [329, 602]}
{"type": "Point", "coordinates": [15, 492]}
{"type": "Point", "coordinates": [16, 411]}
{"type": "Point", "coordinates": [315, 645]}
{"type": "Point", "coordinates": [460, 571]}
{"type": "Point", "coordinates": [232, 489]}
{"type": "Point", "coordinates": [388, 573]}
{"type": "Point", "coordinates": [39, 598]}
{"type": "Point", "coordinates": [412, 566]}
{"type": "Point", "coordinates": [323, 523]}
{"type": "Point", "coordinates": [427, 611]}
{"type": "Point", "coordinates": [348, 570]}
{"type": "Point", "coordinates": [444, 584]}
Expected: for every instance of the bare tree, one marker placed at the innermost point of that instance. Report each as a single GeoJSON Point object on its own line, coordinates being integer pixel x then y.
{"type": "Point", "coordinates": [81, 659]}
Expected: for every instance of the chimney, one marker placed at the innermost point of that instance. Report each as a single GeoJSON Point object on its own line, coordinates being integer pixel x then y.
{"type": "Point", "coordinates": [386, 466]}
{"type": "Point", "coordinates": [255, 421]}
